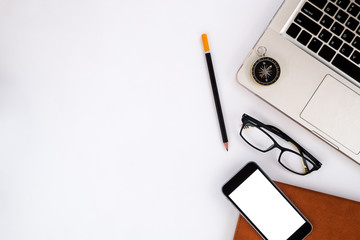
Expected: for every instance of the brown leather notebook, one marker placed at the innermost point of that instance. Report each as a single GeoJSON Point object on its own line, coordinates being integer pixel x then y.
{"type": "Point", "coordinates": [331, 217]}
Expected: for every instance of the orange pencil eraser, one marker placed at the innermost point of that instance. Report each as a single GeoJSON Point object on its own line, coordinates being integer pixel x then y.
{"type": "Point", "coordinates": [205, 42]}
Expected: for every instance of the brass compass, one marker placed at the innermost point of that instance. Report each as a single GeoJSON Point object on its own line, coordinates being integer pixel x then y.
{"type": "Point", "coordinates": [265, 70]}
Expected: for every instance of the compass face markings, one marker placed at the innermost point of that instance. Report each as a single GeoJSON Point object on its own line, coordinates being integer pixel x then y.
{"type": "Point", "coordinates": [265, 71]}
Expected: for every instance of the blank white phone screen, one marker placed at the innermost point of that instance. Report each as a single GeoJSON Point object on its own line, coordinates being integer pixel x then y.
{"type": "Point", "coordinates": [266, 207]}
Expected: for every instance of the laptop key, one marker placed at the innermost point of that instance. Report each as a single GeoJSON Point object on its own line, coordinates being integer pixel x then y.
{"type": "Point", "coordinates": [304, 37]}
{"type": "Point", "coordinates": [353, 9]}
{"type": "Point", "coordinates": [293, 30]}
{"type": "Point", "coordinates": [356, 57]}
{"type": "Point", "coordinates": [358, 30]}
{"type": "Point", "coordinates": [346, 50]}
{"type": "Point", "coordinates": [325, 35]}
{"type": "Point", "coordinates": [327, 53]}
{"type": "Point", "coordinates": [319, 3]}
{"type": "Point", "coordinates": [335, 42]}
{"type": "Point", "coordinates": [326, 21]}
{"type": "Point", "coordinates": [348, 36]}
{"type": "Point", "coordinates": [311, 11]}
{"type": "Point", "coordinates": [331, 9]}
{"type": "Point", "coordinates": [307, 23]}
{"type": "Point", "coordinates": [356, 43]}
{"type": "Point", "coordinates": [337, 28]}
{"type": "Point", "coordinates": [347, 67]}
{"type": "Point", "coordinates": [341, 16]}
{"type": "Point", "coordinates": [315, 45]}
{"type": "Point", "coordinates": [343, 3]}
{"type": "Point", "coordinates": [352, 23]}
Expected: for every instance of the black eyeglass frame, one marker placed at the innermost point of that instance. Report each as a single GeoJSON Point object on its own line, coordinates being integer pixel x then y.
{"type": "Point", "coordinates": [306, 156]}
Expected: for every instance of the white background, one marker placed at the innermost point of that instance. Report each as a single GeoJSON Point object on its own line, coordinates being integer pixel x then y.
{"type": "Point", "coordinates": [108, 128]}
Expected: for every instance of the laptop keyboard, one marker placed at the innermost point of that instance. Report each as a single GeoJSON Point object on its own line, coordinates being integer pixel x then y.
{"type": "Point", "coordinates": [331, 30]}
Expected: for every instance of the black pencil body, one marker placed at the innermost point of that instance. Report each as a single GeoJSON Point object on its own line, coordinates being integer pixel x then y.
{"type": "Point", "coordinates": [216, 97]}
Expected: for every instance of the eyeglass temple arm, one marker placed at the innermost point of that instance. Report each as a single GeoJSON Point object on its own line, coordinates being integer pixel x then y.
{"type": "Point", "coordinates": [302, 150]}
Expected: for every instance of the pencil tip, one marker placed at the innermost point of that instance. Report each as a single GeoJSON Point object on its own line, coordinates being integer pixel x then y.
{"type": "Point", "coordinates": [226, 146]}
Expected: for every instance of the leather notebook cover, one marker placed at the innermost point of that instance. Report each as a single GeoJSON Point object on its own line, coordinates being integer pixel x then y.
{"type": "Point", "coordinates": [331, 217]}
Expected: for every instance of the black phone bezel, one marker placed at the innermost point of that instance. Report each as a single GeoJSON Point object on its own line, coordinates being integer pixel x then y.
{"type": "Point", "coordinates": [240, 177]}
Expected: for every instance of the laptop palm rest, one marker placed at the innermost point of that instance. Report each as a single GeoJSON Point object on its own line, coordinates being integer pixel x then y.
{"type": "Point", "coordinates": [330, 109]}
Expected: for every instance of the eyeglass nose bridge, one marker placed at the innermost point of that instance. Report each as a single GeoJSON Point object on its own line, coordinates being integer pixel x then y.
{"type": "Point", "coordinates": [282, 148]}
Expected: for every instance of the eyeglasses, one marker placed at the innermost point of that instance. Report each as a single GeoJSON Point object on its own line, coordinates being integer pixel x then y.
{"type": "Point", "coordinates": [262, 137]}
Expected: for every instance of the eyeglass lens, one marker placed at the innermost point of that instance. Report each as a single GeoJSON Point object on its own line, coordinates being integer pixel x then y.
{"type": "Point", "coordinates": [256, 137]}
{"type": "Point", "coordinates": [295, 162]}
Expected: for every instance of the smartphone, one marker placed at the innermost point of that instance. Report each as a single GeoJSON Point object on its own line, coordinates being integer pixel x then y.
{"type": "Point", "coordinates": [264, 206]}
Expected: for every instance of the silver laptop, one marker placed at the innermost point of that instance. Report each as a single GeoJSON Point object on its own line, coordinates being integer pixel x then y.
{"type": "Point", "coordinates": [317, 46]}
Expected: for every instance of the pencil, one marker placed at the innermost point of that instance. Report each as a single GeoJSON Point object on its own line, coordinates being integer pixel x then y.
{"type": "Point", "coordinates": [215, 91]}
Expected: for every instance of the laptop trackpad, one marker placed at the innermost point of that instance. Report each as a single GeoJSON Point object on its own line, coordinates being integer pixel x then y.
{"type": "Point", "coordinates": [334, 109]}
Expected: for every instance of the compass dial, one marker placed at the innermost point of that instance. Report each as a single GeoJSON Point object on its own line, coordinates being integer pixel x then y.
{"type": "Point", "coordinates": [265, 71]}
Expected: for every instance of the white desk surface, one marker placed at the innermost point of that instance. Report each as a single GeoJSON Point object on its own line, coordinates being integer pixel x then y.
{"type": "Point", "coordinates": [108, 128]}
